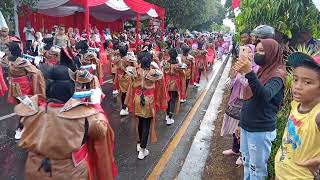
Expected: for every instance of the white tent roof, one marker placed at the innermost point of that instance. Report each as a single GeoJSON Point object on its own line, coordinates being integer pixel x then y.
{"type": "Point", "coordinates": [110, 11]}
{"type": "Point", "coordinates": [3, 22]}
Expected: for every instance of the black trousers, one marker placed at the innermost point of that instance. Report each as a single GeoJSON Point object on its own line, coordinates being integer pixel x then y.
{"type": "Point", "coordinates": [235, 144]}
{"type": "Point", "coordinates": [172, 103]}
{"type": "Point", "coordinates": [187, 83]}
{"type": "Point", "coordinates": [123, 98]}
{"type": "Point", "coordinates": [113, 78]}
{"type": "Point", "coordinates": [20, 125]}
{"type": "Point", "coordinates": [28, 45]}
{"type": "Point", "coordinates": [198, 80]}
{"type": "Point", "coordinates": [144, 129]}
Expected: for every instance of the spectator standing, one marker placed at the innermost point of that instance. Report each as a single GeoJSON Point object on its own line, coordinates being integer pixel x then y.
{"type": "Point", "coordinates": [263, 98]}
{"type": "Point", "coordinates": [29, 32]}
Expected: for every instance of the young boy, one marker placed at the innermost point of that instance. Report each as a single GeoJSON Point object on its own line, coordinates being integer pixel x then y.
{"type": "Point", "coordinates": [299, 154]}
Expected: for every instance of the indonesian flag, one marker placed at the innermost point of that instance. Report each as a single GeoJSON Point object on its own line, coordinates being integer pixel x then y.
{"type": "Point", "coordinates": [235, 4]}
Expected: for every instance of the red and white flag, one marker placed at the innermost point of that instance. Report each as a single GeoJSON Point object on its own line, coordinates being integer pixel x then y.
{"type": "Point", "coordinates": [235, 4]}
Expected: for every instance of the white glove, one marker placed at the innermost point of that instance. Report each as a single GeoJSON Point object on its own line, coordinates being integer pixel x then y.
{"type": "Point", "coordinates": [96, 96]}
{"type": "Point", "coordinates": [2, 54]}
{"type": "Point", "coordinates": [179, 59]}
{"type": "Point", "coordinates": [154, 65]}
{"type": "Point", "coordinates": [37, 60]}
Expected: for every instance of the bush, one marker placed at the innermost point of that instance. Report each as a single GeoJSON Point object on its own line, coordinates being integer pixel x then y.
{"type": "Point", "coordinates": [281, 124]}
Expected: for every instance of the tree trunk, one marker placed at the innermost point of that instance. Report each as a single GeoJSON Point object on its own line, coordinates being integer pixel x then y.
{"type": "Point", "coordinates": [16, 18]}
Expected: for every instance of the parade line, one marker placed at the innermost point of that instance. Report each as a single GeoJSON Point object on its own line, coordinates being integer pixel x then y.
{"type": "Point", "coordinates": [7, 116]}
{"type": "Point", "coordinates": [156, 172]}
{"type": "Point", "coordinates": [200, 147]}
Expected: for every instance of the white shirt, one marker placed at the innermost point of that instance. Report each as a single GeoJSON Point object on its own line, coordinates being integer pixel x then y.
{"type": "Point", "coordinates": [98, 38]}
{"type": "Point", "coordinates": [29, 33]}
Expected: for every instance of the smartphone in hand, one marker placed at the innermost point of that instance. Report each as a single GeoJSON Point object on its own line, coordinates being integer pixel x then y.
{"type": "Point", "coordinates": [244, 53]}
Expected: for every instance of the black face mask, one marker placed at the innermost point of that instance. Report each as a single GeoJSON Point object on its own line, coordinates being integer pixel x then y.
{"type": "Point", "coordinates": [259, 59]}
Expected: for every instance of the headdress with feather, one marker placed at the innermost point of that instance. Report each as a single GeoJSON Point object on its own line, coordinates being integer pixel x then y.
{"type": "Point", "coordinates": [304, 55]}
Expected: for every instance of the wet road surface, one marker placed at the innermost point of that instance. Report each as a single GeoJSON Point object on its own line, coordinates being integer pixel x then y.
{"type": "Point", "coordinates": [12, 158]}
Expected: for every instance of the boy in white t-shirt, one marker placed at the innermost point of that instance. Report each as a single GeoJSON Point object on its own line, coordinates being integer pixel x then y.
{"type": "Point", "coordinates": [29, 32]}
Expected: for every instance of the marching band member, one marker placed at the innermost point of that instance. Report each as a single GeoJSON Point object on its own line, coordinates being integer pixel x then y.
{"type": "Point", "coordinates": [103, 56]}
{"type": "Point", "coordinates": [92, 63]}
{"type": "Point", "coordinates": [142, 98]}
{"type": "Point", "coordinates": [211, 52]}
{"type": "Point", "coordinates": [4, 41]}
{"type": "Point", "coordinates": [175, 82]}
{"type": "Point", "coordinates": [187, 59]}
{"type": "Point", "coordinates": [122, 77]}
{"type": "Point", "coordinates": [19, 69]}
{"type": "Point", "coordinates": [114, 57]}
{"type": "Point", "coordinates": [82, 147]}
{"type": "Point", "coordinates": [20, 84]}
{"type": "Point", "coordinates": [200, 63]}
{"type": "Point", "coordinates": [50, 53]}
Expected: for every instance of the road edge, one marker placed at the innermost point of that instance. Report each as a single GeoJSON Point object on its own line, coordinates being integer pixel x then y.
{"type": "Point", "coordinates": [173, 143]}
{"type": "Point", "coordinates": [196, 159]}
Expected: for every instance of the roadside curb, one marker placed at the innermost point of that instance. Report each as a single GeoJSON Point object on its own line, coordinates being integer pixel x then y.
{"type": "Point", "coordinates": [196, 159]}
{"type": "Point", "coordinates": [157, 170]}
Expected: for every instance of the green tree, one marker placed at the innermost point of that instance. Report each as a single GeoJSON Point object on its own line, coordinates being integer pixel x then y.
{"type": "Point", "coordinates": [287, 16]}
{"type": "Point", "coordinates": [7, 6]}
{"type": "Point", "coordinates": [220, 28]}
{"type": "Point", "coordinates": [12, 8]}
{"type": "Point", "coordinates": [192, 14]}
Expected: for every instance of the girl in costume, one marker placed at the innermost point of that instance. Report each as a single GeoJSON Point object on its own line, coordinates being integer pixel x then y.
{"type": "Point", "coordinates": [24, 79]}
{"type": "Point", "coordinates": [187, 59]}
{"type": "Point", "coordinates": [174, 83]}
{"type": "Point", "coordinates": [211, 52]}
{"type": "Point", "coordinates": [82, 147]}
{"type": "Point", "coordinates": [114, 57]}
{"type": "Point", "coordinates": [122, 77]}
{"type": "Point", "coordinates": [201, 64]}
{"type": "Point", "coordinates": [142, 98]}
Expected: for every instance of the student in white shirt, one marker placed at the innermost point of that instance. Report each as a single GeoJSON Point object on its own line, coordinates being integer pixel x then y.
{"type": "Point", "coordinates": [29, 32]}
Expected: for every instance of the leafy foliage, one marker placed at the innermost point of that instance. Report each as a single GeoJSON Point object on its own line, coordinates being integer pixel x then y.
{"type": "Point", "coordinates": [192, 14]}
{"type": "Point", "coordinates": [281, 124]}
{"type": "Point", "coordinates": [220, 28]}
{"type": "Point", "coordinates": [287, 16]}
{"type": "Point", "coordinates": [7, 7]}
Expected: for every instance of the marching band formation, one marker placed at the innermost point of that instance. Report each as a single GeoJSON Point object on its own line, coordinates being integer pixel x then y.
{"type": "Point", "coordinates": [58, 98]}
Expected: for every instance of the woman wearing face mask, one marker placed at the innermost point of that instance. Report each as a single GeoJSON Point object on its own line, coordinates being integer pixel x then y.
{"type": "Point", "coordinates": [262, 97]}
{"type": "Point", "coordinates": [231, 117]}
